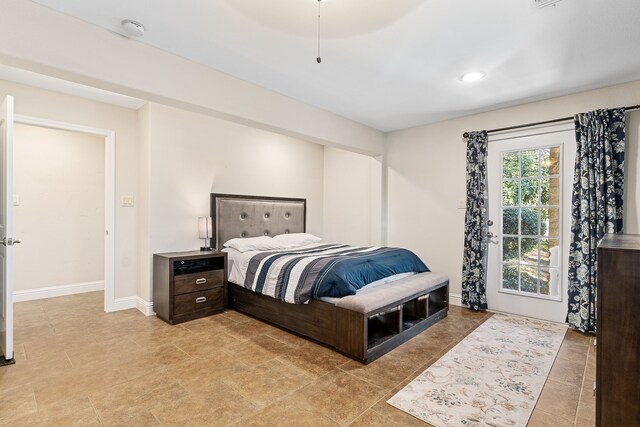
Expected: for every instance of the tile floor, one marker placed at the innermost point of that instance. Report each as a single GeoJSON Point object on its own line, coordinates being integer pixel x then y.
{"type": "Point", "coordinates": [77, 365]}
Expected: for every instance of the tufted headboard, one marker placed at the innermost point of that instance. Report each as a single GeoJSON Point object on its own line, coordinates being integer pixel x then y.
{"type": "Point", "coordinates": [251, 216]}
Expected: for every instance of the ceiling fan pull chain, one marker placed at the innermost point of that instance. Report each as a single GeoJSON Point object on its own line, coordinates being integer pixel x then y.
{"type": "Point", "coordinates": [319, 59]}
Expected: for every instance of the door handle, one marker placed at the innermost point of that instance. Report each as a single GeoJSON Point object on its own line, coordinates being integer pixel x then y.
{"type": "Point", "coordinates": [9, 241]}
{"type": "Point", "coordinates": [491, 235]}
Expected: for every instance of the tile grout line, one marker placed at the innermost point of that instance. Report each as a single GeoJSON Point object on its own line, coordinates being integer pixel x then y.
{"type": "Point", "coordinates": [68, 358]}
{"type": "Point", "coordinates": [95, 411]}
{"type": "Point", "coordinates": [356, 377]}
{"type": "Point", "coordinates": [35, 401]}
{"type": "Point", "coordinates": [24, 351]}
{"type": "Point", "coordinates": [347, 373]}
{"type": "Point", "coordinates": [584, 378]}
{"type": "Point", "coordinates": [383, 398]}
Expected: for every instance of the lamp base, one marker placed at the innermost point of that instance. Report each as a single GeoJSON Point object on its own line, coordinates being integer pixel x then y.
{"type": "Point", "coordinates": [207, 249]}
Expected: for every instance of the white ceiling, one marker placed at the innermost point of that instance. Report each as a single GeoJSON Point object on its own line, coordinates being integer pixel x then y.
{"type": "Point", "coordinates": [393, 64]}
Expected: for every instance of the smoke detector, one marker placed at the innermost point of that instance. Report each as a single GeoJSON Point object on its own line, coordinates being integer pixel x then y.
{"type": "Point", "coordinates": [545, 3]}
{"type": "Point", "coordinates": [133, 28]}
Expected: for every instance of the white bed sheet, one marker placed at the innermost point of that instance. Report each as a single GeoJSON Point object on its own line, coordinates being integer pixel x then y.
{"type": "Point", "coordinates": [237, 263]}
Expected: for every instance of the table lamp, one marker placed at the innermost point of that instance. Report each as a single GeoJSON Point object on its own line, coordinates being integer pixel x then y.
{"type": "Point", "coordinates": [205, 230]}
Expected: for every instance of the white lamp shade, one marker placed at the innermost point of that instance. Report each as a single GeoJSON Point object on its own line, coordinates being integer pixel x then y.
{"type": "Point", "coordinates": [205, 227]}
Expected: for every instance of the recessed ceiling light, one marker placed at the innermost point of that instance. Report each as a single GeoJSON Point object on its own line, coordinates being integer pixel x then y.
{"type": "Point", "coordinates": [472, 77]}
{"type": "Point", "coordinates": [133, 28]}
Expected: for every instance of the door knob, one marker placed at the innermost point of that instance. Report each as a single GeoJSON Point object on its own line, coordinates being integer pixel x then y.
{"type": "Point", "coordinates": [9, 241]}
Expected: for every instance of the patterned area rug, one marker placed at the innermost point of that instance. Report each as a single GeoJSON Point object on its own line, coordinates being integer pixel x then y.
{"type": "Point", "coordinates": [493, 377]}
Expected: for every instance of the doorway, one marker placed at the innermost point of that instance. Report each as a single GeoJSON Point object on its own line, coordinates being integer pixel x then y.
{"type": "Point", "coordinates": [530, 178]}
{"type": "Point", "coordinates": [102, 240]}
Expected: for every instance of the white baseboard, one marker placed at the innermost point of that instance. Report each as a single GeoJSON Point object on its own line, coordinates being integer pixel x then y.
{"type": "Point", "coordinates": [57, 291]}
{"type": "Point", "coordinates": [145, 307]}
{"type": "Point", "coordinates": [124, 303]}
{"type": "Point", "coordinates": [127, 303]}
{"type": "Point", "coordinates": [455, 299]}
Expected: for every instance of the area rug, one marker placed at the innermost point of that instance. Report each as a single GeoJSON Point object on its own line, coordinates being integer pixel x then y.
{"type": "Point", "coordinates": [493, 377]}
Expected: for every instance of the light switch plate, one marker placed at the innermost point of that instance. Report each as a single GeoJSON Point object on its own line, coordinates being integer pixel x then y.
{"type": "Point", "coordinates": [462, 204]}
{"type": "Point", "coordinates": [16, 200]}
{"type": "Point", "coordinates": [127, 202]}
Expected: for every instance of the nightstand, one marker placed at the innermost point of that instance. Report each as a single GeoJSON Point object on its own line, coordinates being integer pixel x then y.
{"type": "Point", "coordinates": [189, 285]}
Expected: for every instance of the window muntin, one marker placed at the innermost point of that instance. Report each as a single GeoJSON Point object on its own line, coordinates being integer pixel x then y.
{"type": "Point", "coordinates": [531, 222]}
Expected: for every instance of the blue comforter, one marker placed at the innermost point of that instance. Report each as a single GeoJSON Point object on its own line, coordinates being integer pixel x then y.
{"type": "Point", "coordinates": [296, 276]}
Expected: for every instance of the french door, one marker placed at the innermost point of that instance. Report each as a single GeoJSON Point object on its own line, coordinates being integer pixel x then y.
{"type": "Point", "coordinates": [6, 230]}
{"type": "Point", "coordinates": [530, 181]}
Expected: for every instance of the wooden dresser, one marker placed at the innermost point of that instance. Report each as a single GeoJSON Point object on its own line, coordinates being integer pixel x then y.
{"type": "Point", "coordinates": [618, 331]}
{"type": "Point", "coordinates": [189, 285]}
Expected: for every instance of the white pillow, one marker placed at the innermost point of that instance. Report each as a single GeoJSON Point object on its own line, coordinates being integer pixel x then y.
{"type": "Point", "coordinates": [260, 243]}
{"type": "Point", "coordinates": [297, 239]}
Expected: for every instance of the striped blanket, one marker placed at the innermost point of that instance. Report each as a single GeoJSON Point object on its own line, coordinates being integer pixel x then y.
{"type": "Point", "coordinates": [296, 276]}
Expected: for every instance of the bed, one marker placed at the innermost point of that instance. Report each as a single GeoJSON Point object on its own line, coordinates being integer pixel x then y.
{"type": "Point", "coordinates": [363, 326]}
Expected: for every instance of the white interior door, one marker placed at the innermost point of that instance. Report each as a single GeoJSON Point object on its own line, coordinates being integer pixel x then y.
{"type": "Point", "coordinates": [6, 230]}
{"type": "Point", "coordinates": [530, 181]}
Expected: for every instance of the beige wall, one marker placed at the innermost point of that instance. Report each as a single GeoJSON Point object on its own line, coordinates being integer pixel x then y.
{"type": "Point", "coordinates": [352, 204]}
{"type": "Point", "coordinates": [192, 155]}
{"type": "Point", "coordinates": [169, 160]}
{"type": "Point", "coordinates": [59, 182]}
{"type": "Point", "coordinates": [426, 175]}
{"type": "Point", "coordinates": [54, 106]}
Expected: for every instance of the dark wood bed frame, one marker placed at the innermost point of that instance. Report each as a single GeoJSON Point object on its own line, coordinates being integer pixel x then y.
{"type": "Point", "coordinates": [361, 336]}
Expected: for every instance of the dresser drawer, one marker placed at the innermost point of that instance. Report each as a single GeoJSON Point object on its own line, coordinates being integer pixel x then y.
{"type": "Point", "coordinates": [211, 299]}
{"type": "Point", "coordinates": [186, 283]}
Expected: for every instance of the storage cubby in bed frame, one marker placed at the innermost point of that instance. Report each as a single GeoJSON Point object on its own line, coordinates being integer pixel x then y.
{"type": "Point", "coordinates": [370, 335]}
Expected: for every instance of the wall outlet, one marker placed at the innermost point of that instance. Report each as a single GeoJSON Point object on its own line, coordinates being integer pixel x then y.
{"type": "Point", "coordinates": [127, 202]}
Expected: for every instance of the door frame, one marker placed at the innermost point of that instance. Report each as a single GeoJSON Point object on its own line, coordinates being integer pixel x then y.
{"type": "Point", "coordinates": [6, 334]}
{"type": "Point", "coordinates": [566, 178]}
{"type": "Point", "coordinates": [109, 193]}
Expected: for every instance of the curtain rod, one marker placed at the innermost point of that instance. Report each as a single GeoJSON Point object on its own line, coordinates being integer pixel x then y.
{"type": "Point", "coordinates": [546, 122]}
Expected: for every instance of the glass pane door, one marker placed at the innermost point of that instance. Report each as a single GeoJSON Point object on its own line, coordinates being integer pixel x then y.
{"type": "Point", "coordinates": [531, 222]}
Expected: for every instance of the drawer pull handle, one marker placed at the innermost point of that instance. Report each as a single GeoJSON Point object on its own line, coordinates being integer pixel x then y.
{"type": "Point", "coordinates": [200, 299]}
{"type": "Point", "coordinates": [201, 281]}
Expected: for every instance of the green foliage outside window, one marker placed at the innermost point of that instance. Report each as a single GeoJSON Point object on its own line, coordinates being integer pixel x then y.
{"type": "Point", "coordinates": [515, 165]}
{"type": "Point", "coordinates": [526, 184]}
{"type": "Point", "coordinates": [529, 227]}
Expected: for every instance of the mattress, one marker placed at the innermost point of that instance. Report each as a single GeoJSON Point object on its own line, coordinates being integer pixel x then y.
{"type": "Point", "coordinates": [237, 263]}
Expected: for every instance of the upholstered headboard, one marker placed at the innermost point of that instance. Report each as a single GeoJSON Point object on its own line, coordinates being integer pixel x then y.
{"type": "Point", "coordinates": [250, 216]}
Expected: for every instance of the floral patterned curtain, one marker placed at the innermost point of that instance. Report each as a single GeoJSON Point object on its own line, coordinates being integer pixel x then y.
{"type": "Point", "coordinates": [596, 206]}
{"type": "Point", "coordinates": [474, 270]}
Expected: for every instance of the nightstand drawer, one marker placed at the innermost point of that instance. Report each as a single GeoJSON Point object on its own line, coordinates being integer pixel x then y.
{"type": "Point", "coordinates": [199, 301]}
{"type": "Point", "coordinates": [189, 285]}
{"type": "Point", "coordinates": [186, 283]}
